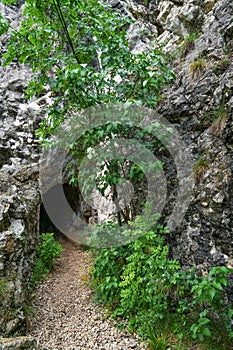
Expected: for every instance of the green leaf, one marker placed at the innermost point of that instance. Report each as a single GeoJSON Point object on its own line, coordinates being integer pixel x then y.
{"type": "Point", "coordinates": [212, 293]}
{"type": "Point", "coordinates": [206, 332]}
{"type": "Point", "coordinates": [217, 285]}
{"type": "Point", "coordinates": [204, 320]}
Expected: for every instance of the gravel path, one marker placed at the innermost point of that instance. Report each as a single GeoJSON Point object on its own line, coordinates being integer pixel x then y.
{"type": "Point", "coordinates": [65, 316]}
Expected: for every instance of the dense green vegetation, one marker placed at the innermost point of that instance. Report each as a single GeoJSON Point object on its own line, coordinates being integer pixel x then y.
{"type": "Point", "coordinates": [79, 52]}
{"type": "Point", "coordinates": [154, 296]}
{"type": "Point", "coordinates": [48, 251]}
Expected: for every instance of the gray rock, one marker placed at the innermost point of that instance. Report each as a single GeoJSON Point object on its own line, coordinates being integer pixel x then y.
{"type": "Point", "coordinates": [20, 343]}
{"type": "Point", "coordinates": [199, 103]}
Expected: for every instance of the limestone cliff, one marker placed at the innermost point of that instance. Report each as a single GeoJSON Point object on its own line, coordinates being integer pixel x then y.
{"type": "Point", "coordinates": [198, 37]}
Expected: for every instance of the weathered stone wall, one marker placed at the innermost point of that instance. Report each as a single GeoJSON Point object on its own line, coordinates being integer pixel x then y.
{"type": "Point", "coordinates": [200, 104]}
{"type": "Point", "coordinates": [19, 195]}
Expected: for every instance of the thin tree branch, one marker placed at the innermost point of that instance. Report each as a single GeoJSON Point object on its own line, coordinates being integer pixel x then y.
{"type": "Point", "coordinates": [63, 22]}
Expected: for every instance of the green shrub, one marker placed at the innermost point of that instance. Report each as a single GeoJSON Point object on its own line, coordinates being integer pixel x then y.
{"type": "Point", "coordinates": [140, 284]}
{"type": "Point", "coordinates": [4, 25]}
{"type": "Point", "coordinates": [85, 47]}
{"type": "Point", "coordinates": [208, 298]}
{"type": "Point", "coordinates": [106, 275]}
{"type": "Point", "coordinates": [48, 250]}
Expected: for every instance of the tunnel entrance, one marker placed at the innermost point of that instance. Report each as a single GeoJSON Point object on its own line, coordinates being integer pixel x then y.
{"type": "Point", "coordinates": [76, 202]}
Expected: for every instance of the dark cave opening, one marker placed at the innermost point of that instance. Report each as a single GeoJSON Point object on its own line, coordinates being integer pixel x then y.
{"type": "Point", "coordinates": [74, 199]}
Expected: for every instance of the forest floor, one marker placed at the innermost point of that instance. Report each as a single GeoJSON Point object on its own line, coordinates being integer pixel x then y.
{"type": "Point", "coordinates": [65, 315]}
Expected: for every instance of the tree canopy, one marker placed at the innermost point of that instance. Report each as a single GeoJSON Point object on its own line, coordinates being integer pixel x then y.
{"type": "Point", "coordinates": [79, 51]}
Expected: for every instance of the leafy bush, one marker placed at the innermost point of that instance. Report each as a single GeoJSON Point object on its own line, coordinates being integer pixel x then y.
{"type": "Point", "coordinates": [107, 272]}
{"type": "Point", "coordinates": [3, 25]}
{"type": "Point", "coordinates": [139, 283]}
{"type": "Point", "coordinates": [208, 297]}
{"type": "Point", "coordinates": [81, 52]}
{"type": "Point", "coordinates": [48, 250]}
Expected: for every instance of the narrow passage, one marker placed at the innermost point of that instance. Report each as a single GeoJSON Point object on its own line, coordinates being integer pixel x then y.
{"type": "Point", "coordinates": [66, 318]}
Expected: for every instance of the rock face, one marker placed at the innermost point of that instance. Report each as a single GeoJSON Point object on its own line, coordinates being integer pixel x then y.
{"type": "Point", "coordinates": [198, 38]}
{"type": "Point", "coordinates": [20, 343]}
{"type": "Point", "coordinates": [19, 196]}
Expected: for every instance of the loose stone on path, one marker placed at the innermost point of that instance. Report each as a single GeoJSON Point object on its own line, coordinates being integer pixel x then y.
{"type": "Point", "coordinates": [66, 318]}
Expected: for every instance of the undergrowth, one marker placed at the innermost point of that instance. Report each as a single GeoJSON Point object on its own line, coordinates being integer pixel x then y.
{"type": "Point", "coordinates": [168, 307]}
{"type": "Point", "coordinates": [47, 251]}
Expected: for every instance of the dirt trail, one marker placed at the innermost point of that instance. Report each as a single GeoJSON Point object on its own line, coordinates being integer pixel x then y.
{"type": "Point", "coordinates": [66, 318]}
